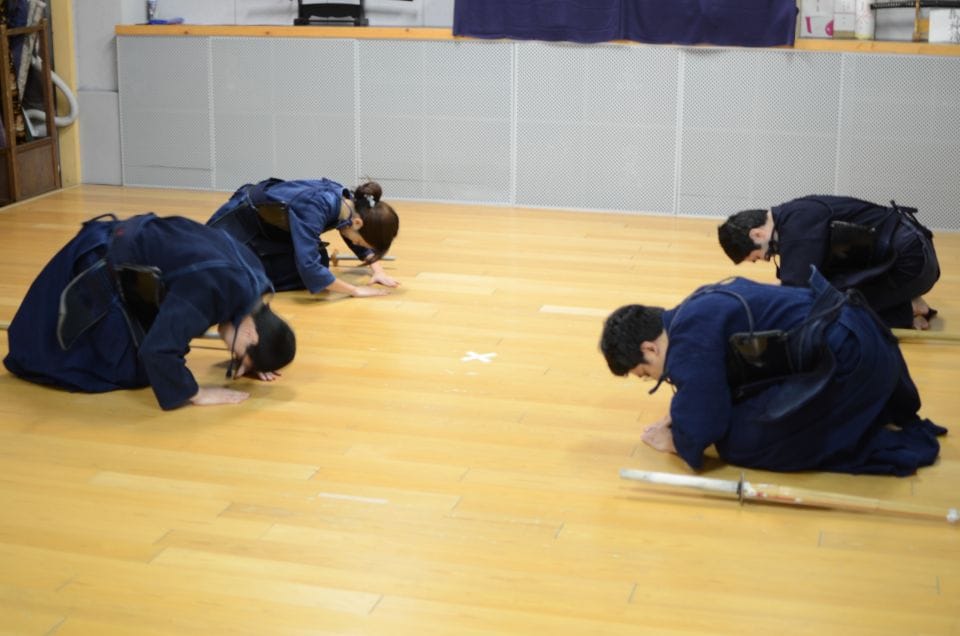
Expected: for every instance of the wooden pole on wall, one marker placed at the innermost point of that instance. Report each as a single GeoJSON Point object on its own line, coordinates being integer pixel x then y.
{"type": "Point", "coordinates": [64, 47]}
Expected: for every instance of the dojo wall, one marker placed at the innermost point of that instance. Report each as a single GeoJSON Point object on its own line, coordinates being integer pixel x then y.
{"type": "Point", "coordinates": [94, 53]}
{"type": "Point", "coordinates": [617, 127]}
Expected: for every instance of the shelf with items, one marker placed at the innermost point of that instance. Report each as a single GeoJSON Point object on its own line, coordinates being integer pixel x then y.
{"type": "Point", "coordinates": [29, 155]}
{"type": "Point", "coordinates": [921, 24]}
{"type": "Point", "coordinates": [437, 34]}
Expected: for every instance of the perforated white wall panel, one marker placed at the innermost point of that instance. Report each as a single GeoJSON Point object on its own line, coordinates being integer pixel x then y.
{"type": "Point", "coordinates": [164, 111]}
{"type": "Point", "coordinates": [283, 108]}
{"type": "Point", "coordinates": [596, 126]}
{"type": "Point", "coordinates": [900, 133]}
{"type": "Point", "coordinates": [759, 127]}
{"type": "Point", "coordinates": [669, 130]}
{"type": "Point", "coordinates": [433, 119]}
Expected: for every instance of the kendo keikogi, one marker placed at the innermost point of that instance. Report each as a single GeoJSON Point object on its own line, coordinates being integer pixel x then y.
{"type": "Point", "coordinates": [281, 221]}
{"type": "Point", "coordinates": [828, 405]}
{"type": "Point", "coordinates": [117, 307]}
{"type": "Point", "coordinates": [882, 251]}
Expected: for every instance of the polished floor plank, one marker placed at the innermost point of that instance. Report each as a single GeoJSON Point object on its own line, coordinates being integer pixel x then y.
{"type": "Point", "coordinates": [443, 460]}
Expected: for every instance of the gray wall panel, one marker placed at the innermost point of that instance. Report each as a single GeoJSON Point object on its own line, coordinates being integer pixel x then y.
{"type": "Point", "coordinates": [167, 177]}
{"type": "Point", "coordinates": [390, 116]}
{"type": "Point", "coordinates": [792, 165]}
{"type": "Point", "coordinates": [165, 112]}
{"type": "Point", "coordinates": [273, 118]}
{"type": "Point", "coordinates": [476, 174]}
{"type": "Point", "coordinates": [314, 76]}
{"type": "Point", "coordinates": [243, 129]}
{"type": "Point", "coordinates": [242, 69]}
{"type": "Point", "coordinates": [596, 126]}
{"type": "Point", "coordinates": [759, 127]}
{"type": "Point", "coordinates": [166, 139]}
{"type": "Point", "coordinates": [668, 130]}
{"type": "Point", "coordinates": [899, 133]}
{"type": "Point", "coordinates": [392, 153]}
{"type": "Point", "coordinates": [433, 119]}
{"type": "Point", "coordinates": [99, 118]}
{"type": "Point", "coordinates": [312, 146]}
{"type": "Point", "coordinates": [244, 153]}
{"type": "Point", "coordinates": [716, 170]}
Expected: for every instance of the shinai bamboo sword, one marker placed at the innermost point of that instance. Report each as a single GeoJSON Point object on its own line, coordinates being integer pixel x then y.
{"type": "Point", "coordinates": [747, 491]}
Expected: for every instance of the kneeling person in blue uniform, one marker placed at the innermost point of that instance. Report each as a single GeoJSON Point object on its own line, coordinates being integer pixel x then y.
{"type": "Point", "coordinates": [777, 378]}
{"type": "Point", "coordinates": [281, 221]}
{"type": "Point", "coordinates": [882, 251]}
{"type": "Point", "coordinates": [117, 307]}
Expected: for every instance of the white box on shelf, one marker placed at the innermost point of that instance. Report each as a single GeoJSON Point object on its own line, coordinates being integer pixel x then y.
{"type": "Point", "coordinates": [816, 19]}
{"type": "Point", "coordinates": [844, 18]}
{"type": "Point", "coordinates": [945, 26]}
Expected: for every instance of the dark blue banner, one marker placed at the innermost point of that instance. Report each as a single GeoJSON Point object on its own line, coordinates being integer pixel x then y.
{"type": "Point", "coordinates": [717, 22]}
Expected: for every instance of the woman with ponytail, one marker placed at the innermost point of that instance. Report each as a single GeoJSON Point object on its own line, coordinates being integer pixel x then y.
{"type": "Point", "coordinates": [281, 221]}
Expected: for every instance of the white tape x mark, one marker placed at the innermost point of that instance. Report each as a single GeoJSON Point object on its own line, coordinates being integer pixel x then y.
{"type": "Point", "coordinates": [482, 357]}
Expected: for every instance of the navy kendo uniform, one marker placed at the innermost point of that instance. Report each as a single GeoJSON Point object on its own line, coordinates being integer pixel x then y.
{"type": "Point", "coordinates": [281, 221]}
{"type": "Point", "coordinates": [882, 251]}
{"type": "Point", "coordinates": [829, 412]}
{"type": "Point", "coordinates": [115, 339]}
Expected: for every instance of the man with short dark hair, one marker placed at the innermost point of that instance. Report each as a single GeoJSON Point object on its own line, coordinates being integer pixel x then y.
{"type": "Point", "coordinates": [882, 251]}
{"type": "Point", "coordinates": [778, 378]}
{"type": "Point", "coordinates": [117, 307]}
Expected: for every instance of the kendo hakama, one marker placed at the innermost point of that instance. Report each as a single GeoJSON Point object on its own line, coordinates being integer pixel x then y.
{"type": "Point", "coordinates": [208, 279]}
{"type": "Point", "coordinates": [835, 421]}
{"type": "Point", "coordinates": [903, 265]}
{"type": "Point", "coordinates": [281, 221]}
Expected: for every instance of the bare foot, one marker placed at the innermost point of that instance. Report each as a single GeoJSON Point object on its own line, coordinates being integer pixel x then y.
{"type": "Point", "coordinates": [922, 313]}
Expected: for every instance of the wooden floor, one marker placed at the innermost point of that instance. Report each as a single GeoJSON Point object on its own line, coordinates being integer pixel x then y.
{"type": "Point", "coordinates": [443, 460]}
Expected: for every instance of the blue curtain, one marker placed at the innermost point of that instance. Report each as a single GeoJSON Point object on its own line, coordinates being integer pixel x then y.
{"type": "Point", "coordinates": [718, 22]}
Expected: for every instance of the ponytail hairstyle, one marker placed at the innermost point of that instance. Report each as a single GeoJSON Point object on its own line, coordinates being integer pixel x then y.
{"type": "Point", "coordinates": [380, 220]}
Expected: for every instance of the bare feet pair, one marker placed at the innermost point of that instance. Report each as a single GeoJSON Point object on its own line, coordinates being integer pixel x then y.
{"type": "Point", "coordinates": [922, 313]}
